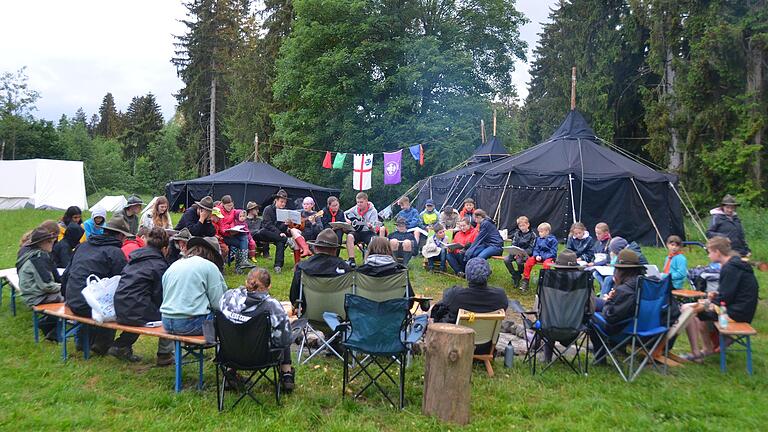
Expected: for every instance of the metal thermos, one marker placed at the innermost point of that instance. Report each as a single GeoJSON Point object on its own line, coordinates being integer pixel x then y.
{"type": "Point", "coordinates": [509, 355]}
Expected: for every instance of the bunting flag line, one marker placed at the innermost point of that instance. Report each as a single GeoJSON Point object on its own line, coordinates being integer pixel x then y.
{"type": "Point", "coordinates": [327, 160]}
{"type": "Point", "coordinates": [392, 165]}
{"type": "Point", "coordinates": [417, 151]}
{"type": "Point", "coordinates": [338, 161]}
{"type": "Point", "coordinates": [361, 171]}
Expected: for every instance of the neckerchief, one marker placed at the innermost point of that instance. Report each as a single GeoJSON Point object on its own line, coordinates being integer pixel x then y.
{"type": "Point", "coordinates": [669, 261]}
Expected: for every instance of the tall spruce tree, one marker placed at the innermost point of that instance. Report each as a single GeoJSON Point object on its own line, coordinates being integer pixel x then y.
{"type": "Point", "coordinates": [109, 119]}
{"type": "Point", "coordinates": [143, 123]}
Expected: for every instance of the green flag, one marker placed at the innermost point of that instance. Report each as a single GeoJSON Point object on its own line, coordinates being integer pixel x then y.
{"type": "Point", "coordinates": [338, 161]}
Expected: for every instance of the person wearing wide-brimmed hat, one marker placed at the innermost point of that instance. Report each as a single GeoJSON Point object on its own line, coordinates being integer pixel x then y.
{"type": "Point", "coordinates": [197, 219]}
{"type": "Point", "coordinates": [323, 263]}
{"type": "Point", "coordinates": [130, 213]}
{"type": "Point", "coordinates": [63, 249]}
{"type": "Point", "coordinates": [619, 304]}
{"type": "Point", "coordinates": [178, 245]}
{"type": "Point", "coordinates": [100, 256]}
{"type": "Point", "coordinates": [192, 287]}
{"type": "Point", "coordinates": [274, 231]}
{"type": "Point", "coordinates": [477, 297]}
{"type": "Point", "coordinates": [254, 223]}
{"type": "Point", "coordinates": [726, 223]}
{"type": "Point", "coordinates": [36, 276]}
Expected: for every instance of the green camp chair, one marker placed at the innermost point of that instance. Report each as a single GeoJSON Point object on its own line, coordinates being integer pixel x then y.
{"type": "Point", "coordinates": [318, 295]}
{"type": "Point", "coordinates": [382, 288]}
{"type": "Point", "coordinates": [487, 327]}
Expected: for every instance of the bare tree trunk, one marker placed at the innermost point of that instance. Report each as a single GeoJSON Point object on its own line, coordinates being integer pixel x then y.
{"type": "Point", "coordinates": [212, 129]}
{"type": "Point", "coordinates": [755, 56]}
{"type": "Point", "coordinates": [675, 152]}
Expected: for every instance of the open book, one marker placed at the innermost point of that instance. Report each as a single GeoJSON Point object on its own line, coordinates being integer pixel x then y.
{"type": "Point", "coordinates": [285, 215]}
{"type": "Point", "coordinates": [343, 226]}
{"type": "Point", "coordinates": [237, 228]}
{"type": "Point", "coordinates": [514, 250]}
{"type": "Point", "coordinates": [454, 246]}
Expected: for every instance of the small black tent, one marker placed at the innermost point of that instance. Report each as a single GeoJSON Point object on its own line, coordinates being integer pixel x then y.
{"type": "Point", "coordinates": [248, 181]}
{"type": "Point", "coordinates": [569, 177]}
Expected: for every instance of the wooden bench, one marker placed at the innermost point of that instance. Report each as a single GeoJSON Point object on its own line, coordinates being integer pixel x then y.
{"type": "Point", "coordinates": [11, 278]}
{"type": "Point", "coordinates": [740, 333]}
{"type": "Point", "coordinates": [688, 294]}
{"type": "Point", "coordinates": [70, 324]}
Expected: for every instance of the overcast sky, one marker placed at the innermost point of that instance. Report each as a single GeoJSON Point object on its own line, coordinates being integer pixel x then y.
{"type": "Point", "coordinates": [77, 51]}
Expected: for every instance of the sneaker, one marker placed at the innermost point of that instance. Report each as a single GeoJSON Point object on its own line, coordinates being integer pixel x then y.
{"type": "Point", "coordinates": [524, 285]}
{"type": "Point", "coordinates": [165, 359]}
{"type": "Point", "coordinates": [287, 380]}
{"type": "Point", "coordinates": [123, 354]}
{"type": "Point", "coordinates": [278, 269]}
{"type": "Point", "coordinates": [291, 243]}
{"type": "Point", "coordinates": [461, 275]}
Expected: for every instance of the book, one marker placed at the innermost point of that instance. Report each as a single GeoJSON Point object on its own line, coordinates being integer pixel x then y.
{"type": "Point", "coordinates": [237, 228]}
{"type": "Point", "coordinates": [514, 250]}
{"type": "Point", "coordinates": [285, 215]}
{"type": "Point", "coordinates": [343, 226]}
{"type": "Point", "coordinates": [604, 270]}
{"type": "Point", "coordinates": [454, 246]}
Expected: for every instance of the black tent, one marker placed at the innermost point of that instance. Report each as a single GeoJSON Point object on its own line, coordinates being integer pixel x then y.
{"type": "Point", "coordinates": [248, 181]}
{"type": "Point", "coordinates": [569, 177]}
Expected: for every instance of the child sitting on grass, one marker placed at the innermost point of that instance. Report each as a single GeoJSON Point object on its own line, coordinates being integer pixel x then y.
{"type": "Point", "coordinates": [525, 239]}
{"type": "Point", "coordinates": [675, 264]}
{"type": "Point", "coordinates": [434, 251]}
{"type": "Point", "coordinates": [602, 239]}
{"type": "Point", "coordinates": [544, 253]}
{"type": "Point", "coordinates": [581, 243]}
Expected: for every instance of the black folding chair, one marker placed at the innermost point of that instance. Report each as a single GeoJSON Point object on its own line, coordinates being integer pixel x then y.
{"type": "Point", "coordinates": [563, 314]}
{"type": "Point", "coordinates": [245, 347]}
{"type": "Point", "coordinates": [376, 338]}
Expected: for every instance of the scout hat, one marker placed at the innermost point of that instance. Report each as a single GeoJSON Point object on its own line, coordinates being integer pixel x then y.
{"type": "Point", "coordinates": [118, 224]}
{"type": "Point", "coordinates": [39, 235]}
{"type": "Point", "coordinates": [206, 203]}
{"type": "Point", "coordinates": [132, 201]}
{"type": "Point", "coordinates": [211, 243]}
{"type": "Point", "coordinates": [628, 259]}
{"type": "Point", "coordinates": [729, 200]}
{"type": "Point", "coordinates": [326, 239]}
{"type": "Point", "coordinates": [250, 206]}
{"type": "Point", "coordinates": [567, 259]}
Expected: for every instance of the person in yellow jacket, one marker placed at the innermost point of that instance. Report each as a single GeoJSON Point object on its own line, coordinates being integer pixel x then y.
{"type": "Point", "coordinates": [429, 216]}
{"type": "Point", "coordinates": [72, 214]}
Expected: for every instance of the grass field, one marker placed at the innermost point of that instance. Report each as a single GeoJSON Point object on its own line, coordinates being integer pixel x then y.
{"type": "Point", "coordinates": [39, 392]}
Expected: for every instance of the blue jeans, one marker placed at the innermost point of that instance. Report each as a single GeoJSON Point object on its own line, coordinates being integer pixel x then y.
{"type": "Point", "coordinates": [485, 252]}
{"type": "Point", "coordinates": [456, 261]}
{"type": "Point", "coordinates": [192, 326]}
{"type": "Point", "coordinates": [606, 286]}
{"type": "Point", "coordinates": [440, 258]}
{"type": "Point", "coordinates": [239, 241]}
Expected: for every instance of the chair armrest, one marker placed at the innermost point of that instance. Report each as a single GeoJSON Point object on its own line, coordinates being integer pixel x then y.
{"type": "Point", "coordinates": [518, 308]}
{"type": "Point", "coordinates": [424, 302]}
{"type": "Point", "coordinates": [334, 321]}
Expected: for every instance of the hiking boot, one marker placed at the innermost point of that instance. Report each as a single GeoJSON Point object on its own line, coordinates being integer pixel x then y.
{"type": "Point", "coordinates": [125, 354]}
{"type": "Point", "coordinates": [516, 280]}
{"type": "Point", "coordinates": [524, 285]}
{"type": "Point", "coordinates": [287, 380]}
{"type": "Point", "coordinates": [461, 275]}
{"type": "Point", "coordinates": [165, 360]}
{"type": "Point", "coordinates": [291, 243]}
{"type": "Point", "coordinates": [352, 263]}
{"type": "Point", "coordinates": [278, 269]}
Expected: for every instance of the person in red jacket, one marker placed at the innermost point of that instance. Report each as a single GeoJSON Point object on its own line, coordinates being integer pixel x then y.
{"type": "Point", "coordinates": [464, 236]}
{"type": "Point", "coordinates": [132, 243]}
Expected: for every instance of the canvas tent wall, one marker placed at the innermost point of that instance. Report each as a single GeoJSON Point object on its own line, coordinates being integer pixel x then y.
{"type": "Point", "coordinates": [247, 181]}
{"type": "Point", "coordinates": [111, 203]}
{"type": "Point", "coordinates": [569, 177]}
{"type": "Point", "coordinates": [42, 184]}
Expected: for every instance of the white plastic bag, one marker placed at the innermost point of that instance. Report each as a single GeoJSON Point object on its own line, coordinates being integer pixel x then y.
{"type": "Point", "coordinates": [100, 295]}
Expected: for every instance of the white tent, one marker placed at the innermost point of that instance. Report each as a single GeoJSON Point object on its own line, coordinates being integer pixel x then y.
{"type": "Point", "coordinates": [112, 203]}
{"type": "Point", "coordinates": [42, 184]}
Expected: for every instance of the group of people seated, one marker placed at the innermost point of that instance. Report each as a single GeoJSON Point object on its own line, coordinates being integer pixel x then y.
{"type": "Point", "coordinates": [175, 275]}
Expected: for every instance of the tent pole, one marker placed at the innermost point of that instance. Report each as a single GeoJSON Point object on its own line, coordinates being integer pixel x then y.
{"type": "Point", "coordinates": [570, 189]}
{"type": "Point", "coordinates": [573, 88]}
{"type": "Point", "coordinates": [482, 131]}
{"type": "Point", "coordinates": [581, 189]}
{"type": "Point", "coordinates": [693, 219]}
{"type": "Point", "coordinates": [501, 200]}
{"type": "Point", "coordinates": [256, 147]}
{"type": "Point", "coordinates": [494, 123]}
{"type": "Point", "coordinates": [690, 201]}
{"type": "Point", "coordinates": [647, 211]}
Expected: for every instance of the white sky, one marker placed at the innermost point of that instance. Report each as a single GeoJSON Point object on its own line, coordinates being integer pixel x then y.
{"type": "Point", "coordinates": [77, 51]}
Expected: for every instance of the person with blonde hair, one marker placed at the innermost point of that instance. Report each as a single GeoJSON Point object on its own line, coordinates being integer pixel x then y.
{"type": "Point", "coordinates": [523, 238]}
{"type": "Point", "coordinates": [544, 253]}
{"type": "Point", "coordinates": [581, 243]}
{"type": "Point", "coordinates": [158, 216]}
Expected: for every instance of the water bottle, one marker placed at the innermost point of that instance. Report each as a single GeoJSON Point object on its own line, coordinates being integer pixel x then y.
{"type": "Point", "coordinates": [509, 355]}
{"type": "Point", "coordinates": [723, 318]}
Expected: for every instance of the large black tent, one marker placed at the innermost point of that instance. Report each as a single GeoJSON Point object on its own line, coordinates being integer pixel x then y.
{"type": "Point", "coordinates": [248, 181]}
{"type": "Point", "coordinates": [570, 177]}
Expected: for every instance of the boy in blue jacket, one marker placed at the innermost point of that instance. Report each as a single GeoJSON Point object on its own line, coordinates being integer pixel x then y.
{"type": "Point", "coordinates": [488, 242]}
{"type": "Point", "coordinates": [581, 243]}
{"type": "Point", "coordinates": [544, 253]}
{"type": "Point", "coordinates": [410, 215]}
{"type": "Point", "coordinates": [676, 265]}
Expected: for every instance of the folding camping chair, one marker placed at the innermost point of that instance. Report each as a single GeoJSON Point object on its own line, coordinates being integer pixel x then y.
{"type": "Point", "coordinates": [245, 347]}
{"type": "Point", "coordinates": [377, 334]}
{"type": "Point", "coordinates": [643, 332]}
{"type": "Point", "coordinates": [318, 295]}
{"type": "Point", "coordinates": [487, 327]}
{"type": "Point", "coordinates": [381, 288]}
{"type": "Point", "coordinates": [562, 316]}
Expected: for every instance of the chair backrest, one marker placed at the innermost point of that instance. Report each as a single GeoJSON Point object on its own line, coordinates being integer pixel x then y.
{"type": "Point", "coordinates": [324, 294]}
{"type": "Point", "coordinates": [487, 326]}
{"type": "Point", "coordinates": [376, 327]}
{"type": "Point", "coordinates": [246, 345]}
{"type": "Point", "coordinates": [381, 288]}
{"type": "Point", "coordinates": [653, 297]}
{"type": "Point", "coordinates": [564, 298]}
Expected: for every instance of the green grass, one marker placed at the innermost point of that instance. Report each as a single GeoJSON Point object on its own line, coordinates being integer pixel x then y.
{"type": "Point", "coordinates": [39, 392]}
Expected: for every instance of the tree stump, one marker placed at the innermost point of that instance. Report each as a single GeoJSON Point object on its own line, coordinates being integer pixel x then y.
{"type": "Point", "coordinates": [447, 388]}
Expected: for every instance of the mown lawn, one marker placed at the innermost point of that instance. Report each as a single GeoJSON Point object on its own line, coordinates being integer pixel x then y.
{"type": "Point", "coordinates": [39, 392]}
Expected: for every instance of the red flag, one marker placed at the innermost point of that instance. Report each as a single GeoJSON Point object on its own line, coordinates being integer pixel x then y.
{"type": "Point", "coordinates": [327, 160]}
{"type": "Point", "coordinates": [421, 155]}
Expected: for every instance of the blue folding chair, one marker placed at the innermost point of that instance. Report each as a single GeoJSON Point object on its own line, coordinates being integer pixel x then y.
{"type": "Point", "coordinates": [643, 332]}
{"type": "Point", "coordinates": [378, 335]}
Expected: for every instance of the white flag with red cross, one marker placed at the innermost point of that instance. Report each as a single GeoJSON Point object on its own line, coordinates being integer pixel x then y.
{"type": "Point", "coordinates": [362, 168]}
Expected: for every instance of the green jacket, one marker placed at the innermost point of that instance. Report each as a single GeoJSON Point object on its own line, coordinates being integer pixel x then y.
{"type": "Point", "coordinates": [36, 280]}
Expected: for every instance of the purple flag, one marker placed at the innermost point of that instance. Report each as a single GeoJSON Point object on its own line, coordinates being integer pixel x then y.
{"type": "Point", "coordinates": [392, 167]}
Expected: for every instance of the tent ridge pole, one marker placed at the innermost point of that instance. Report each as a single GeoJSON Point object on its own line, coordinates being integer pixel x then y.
{"type": "Point", "coordinates": [693, 219]}
{"type": "Point", "coordinates": [570, 189]}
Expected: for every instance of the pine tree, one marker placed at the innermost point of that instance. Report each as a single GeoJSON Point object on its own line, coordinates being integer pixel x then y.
{"type": "Point", "coordinates": [144, 121]}
{"type": "Point", "coordinates": [109, 119]}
